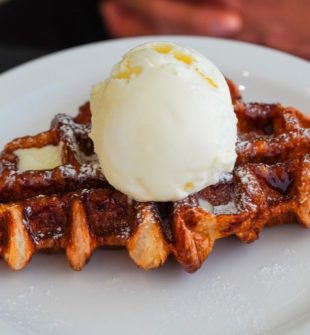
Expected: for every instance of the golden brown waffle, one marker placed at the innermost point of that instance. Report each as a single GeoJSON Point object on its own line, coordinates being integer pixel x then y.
{"type": "Point", "coordinates": [79, 168]}
{"type": "Point", "coordinates": [79, 211]}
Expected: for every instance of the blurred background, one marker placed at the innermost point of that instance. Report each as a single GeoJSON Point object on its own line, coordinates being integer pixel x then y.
{"type": "Point", "coordinates": [31, 28]}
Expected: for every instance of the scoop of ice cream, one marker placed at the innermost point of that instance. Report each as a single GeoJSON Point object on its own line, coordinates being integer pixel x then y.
{"type": "Point", "coordinates": [163, 124]}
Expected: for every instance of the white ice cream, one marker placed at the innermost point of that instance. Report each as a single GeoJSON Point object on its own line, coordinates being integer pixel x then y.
{"type": "Point", "coordinates": [163, 124]}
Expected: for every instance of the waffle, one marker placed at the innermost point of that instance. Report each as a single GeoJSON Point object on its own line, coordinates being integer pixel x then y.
{"type": "Point", "coordinates": [79, 168]}
{"type": "Point", "coordinates": [72, 208]}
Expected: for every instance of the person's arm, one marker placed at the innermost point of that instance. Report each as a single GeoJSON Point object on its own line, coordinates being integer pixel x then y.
{"type": "Point", "coordinates": [146, 17]}
{"type": "Point", "coordinates": [285, 27]}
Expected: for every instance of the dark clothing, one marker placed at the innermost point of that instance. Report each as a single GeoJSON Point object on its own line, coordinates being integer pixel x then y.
{"type": "Point", "coordinates": [50, 24]}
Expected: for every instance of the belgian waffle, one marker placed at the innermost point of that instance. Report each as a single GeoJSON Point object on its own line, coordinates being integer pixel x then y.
{"type": "Point", "coordinates": [73, 208]}
{"type": "Point", "coordinates": [79, 168]}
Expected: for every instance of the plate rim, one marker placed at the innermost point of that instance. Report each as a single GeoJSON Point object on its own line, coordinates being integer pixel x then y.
{"type": "Point", "coordinates": [115, 41]}
{"type": "Point", "coordinates": [301, 324]}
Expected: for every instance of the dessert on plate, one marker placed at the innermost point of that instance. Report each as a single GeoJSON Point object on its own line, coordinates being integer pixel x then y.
{"type": "Point", "coordinates": [166, 159]}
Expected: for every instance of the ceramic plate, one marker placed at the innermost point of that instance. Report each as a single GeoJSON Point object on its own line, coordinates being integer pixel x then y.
{"type": "Point", "coordinates": [261, 288]}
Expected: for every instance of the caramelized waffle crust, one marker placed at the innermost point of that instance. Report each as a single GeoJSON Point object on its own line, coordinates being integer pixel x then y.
{"type": "Point", "coordinates": [73, 208]}
{"type": "Point", "coordinates": [79, 168]}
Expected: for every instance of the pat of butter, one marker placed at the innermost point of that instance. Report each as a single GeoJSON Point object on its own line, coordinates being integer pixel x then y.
{"type": "Point", "coordinates": [45, 158]}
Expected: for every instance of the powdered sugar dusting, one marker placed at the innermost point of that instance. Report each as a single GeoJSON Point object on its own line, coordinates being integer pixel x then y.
{"type": "Point", "coordinates": [22, 314]}
{"type": "Point", "coordinates": [229, 208]}
{"type": "Point", "coordinates": [243, 146]}
{"type": "Point", "coordinates": [90, 170]}
{"type": "Point", "coordinates": [250, 189]}
{"type": "Point", "coordinates": [226, 177]}
{"type": "Point", "coordinates": [248, 180]}
{"type": "Point", "coordinates": [212, 295]}
{"type": "Point", "coordinates": [68, 125]}
{"type": "Point", "coordinates": [68, 171]}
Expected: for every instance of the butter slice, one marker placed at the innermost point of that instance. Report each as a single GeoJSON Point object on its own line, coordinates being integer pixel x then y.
{"type": "Point", "coordinates": [45, 158]}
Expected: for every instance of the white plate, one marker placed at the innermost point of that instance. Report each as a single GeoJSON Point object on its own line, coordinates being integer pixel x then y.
{"type": "Point", "coordinates": [261, 288]}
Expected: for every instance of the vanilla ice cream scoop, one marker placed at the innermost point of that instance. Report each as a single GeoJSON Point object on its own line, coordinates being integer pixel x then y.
{"type": "Point", "coordinates": [163, 124]}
